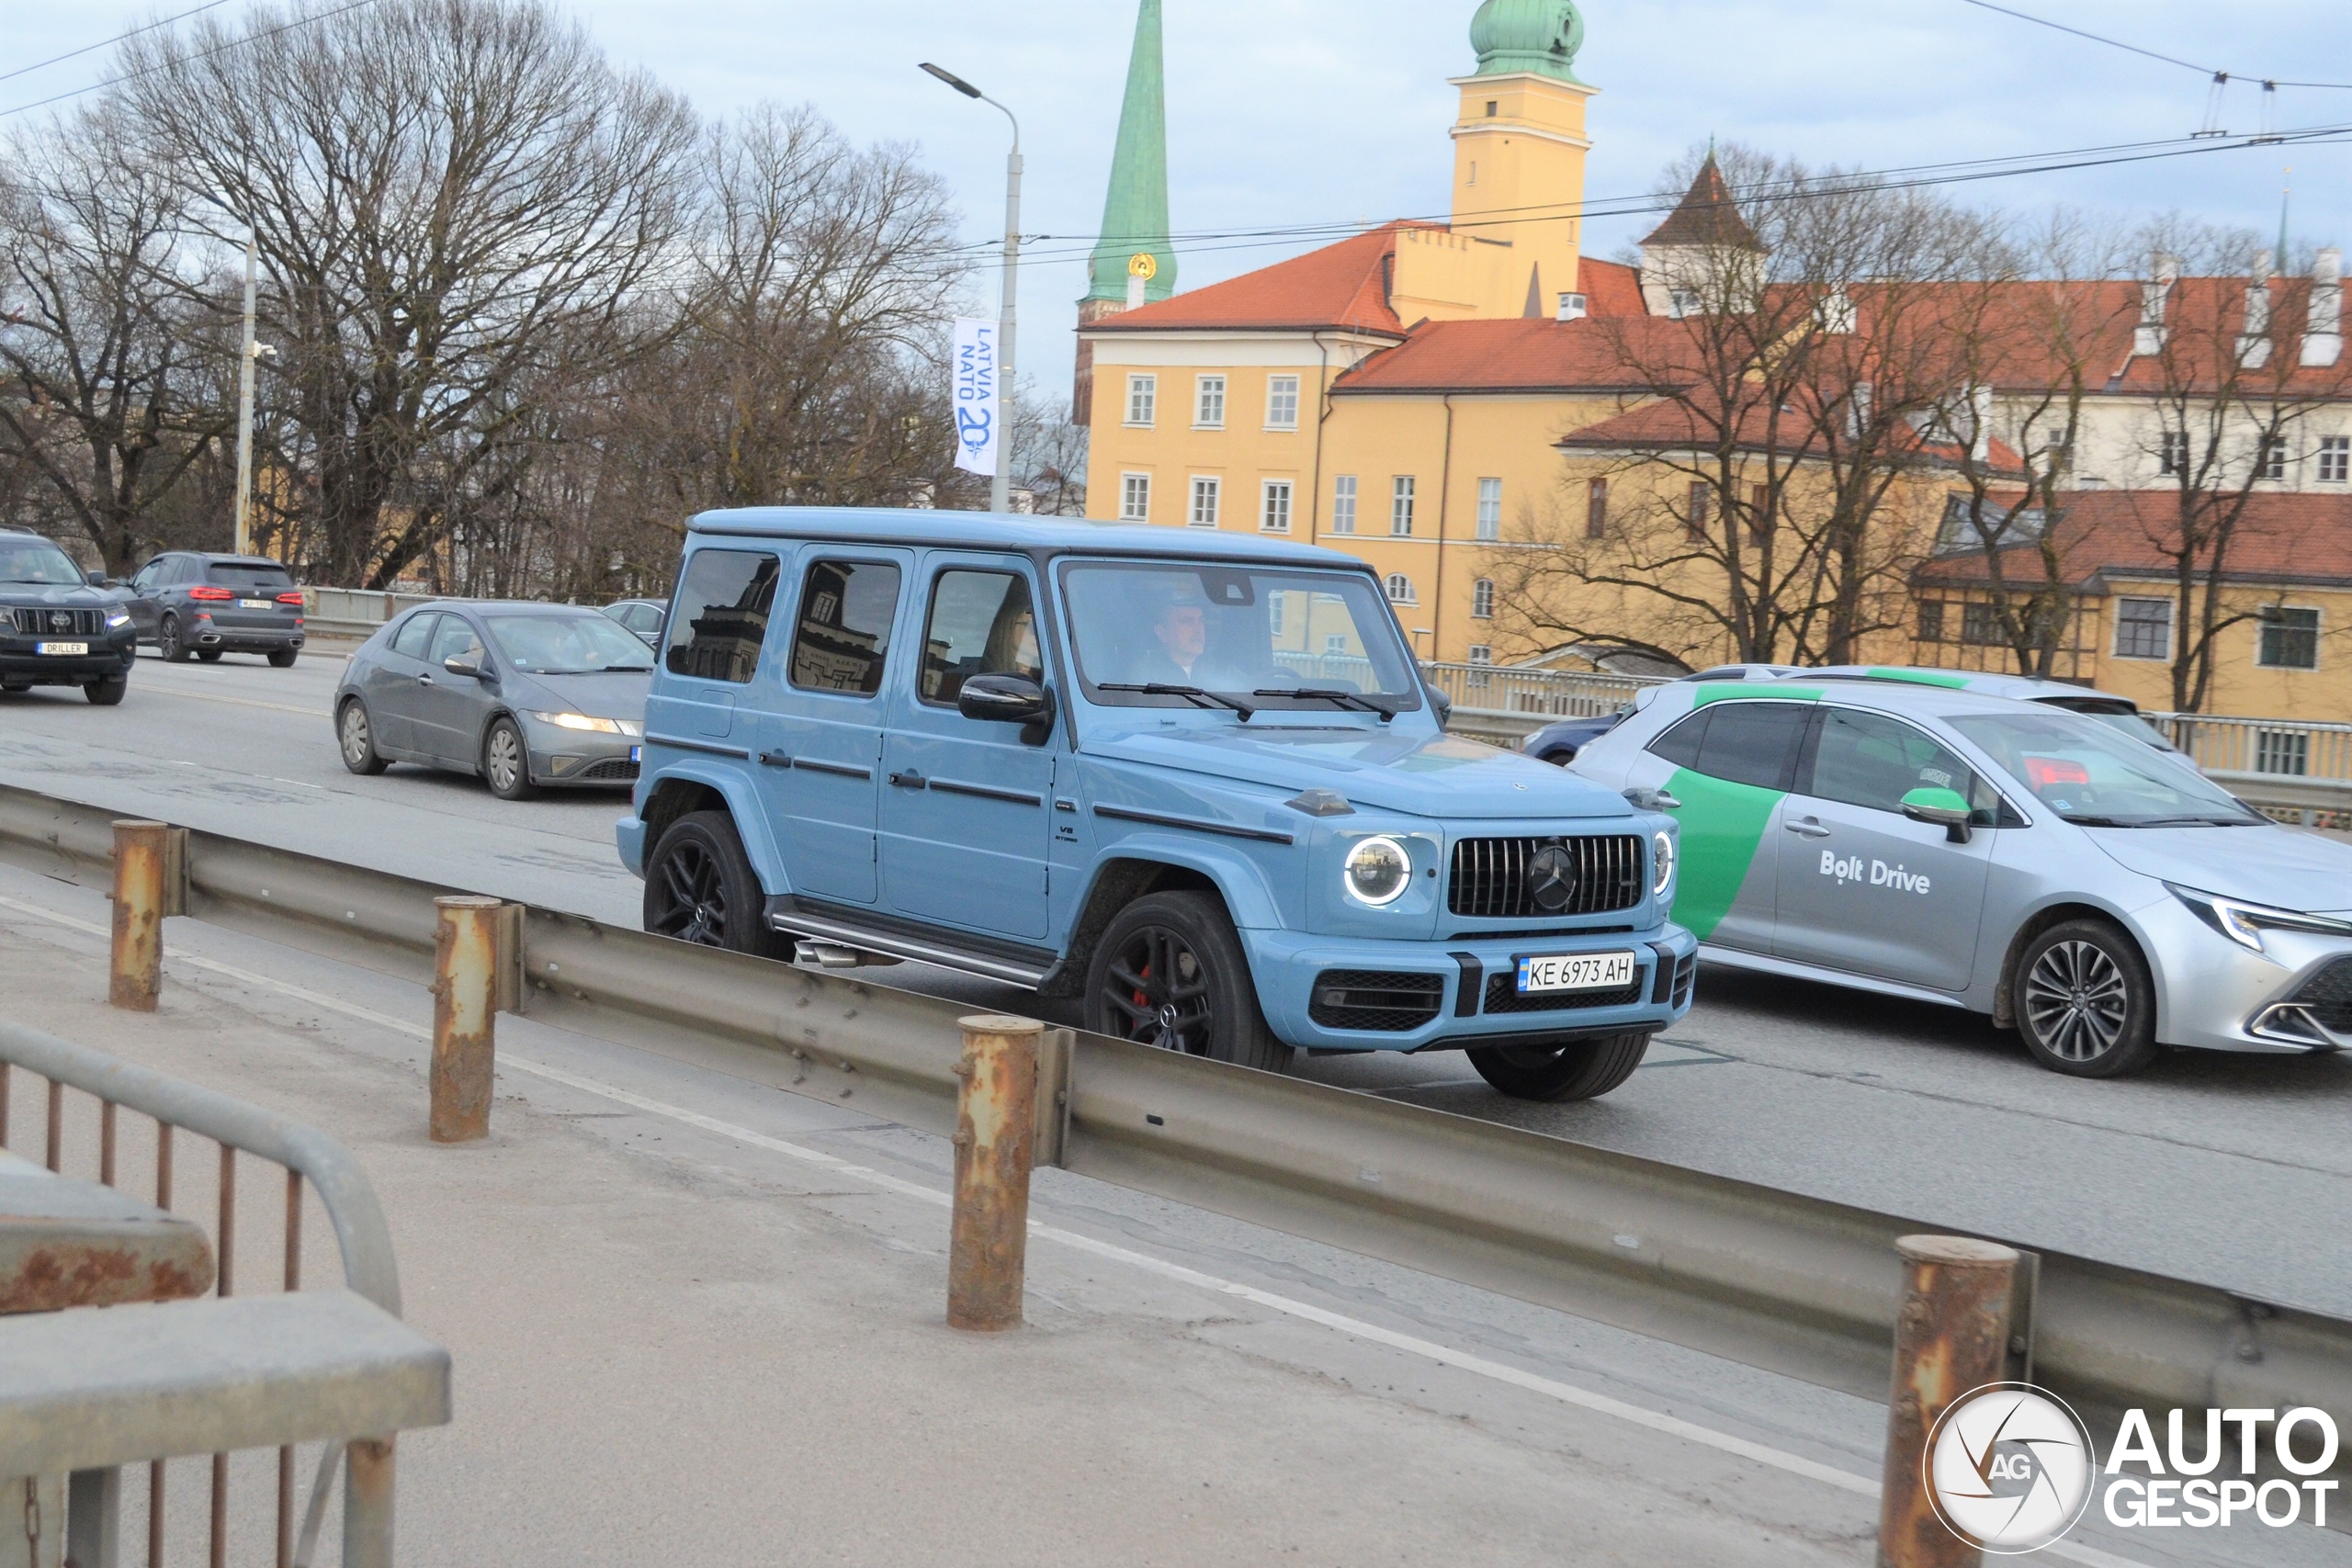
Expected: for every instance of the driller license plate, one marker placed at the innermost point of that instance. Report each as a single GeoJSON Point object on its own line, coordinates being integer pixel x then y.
{"type": "Point", "coordinates": [1576, 972]}
{"type": "Point", "coordinates": [64, 647]}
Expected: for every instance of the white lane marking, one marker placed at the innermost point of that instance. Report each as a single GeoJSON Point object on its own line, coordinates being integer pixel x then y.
{"type": "Point", "coordinates": [1445, 1355]}
{"type": "Point", "coordinates": [167, 688]}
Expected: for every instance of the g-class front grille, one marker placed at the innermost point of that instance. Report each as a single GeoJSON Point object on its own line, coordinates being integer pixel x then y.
{"type": "Point", "coordinates": [1513, 879]}
{"type": "Point", "coordinates": [35, 620]}
{"type": "Point", "coordinates": [1378, 999]}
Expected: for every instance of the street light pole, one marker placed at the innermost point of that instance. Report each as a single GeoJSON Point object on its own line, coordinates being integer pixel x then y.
{"type": "Point", "coordinates": [1007, 321]}
{"type": "Point", "coordinates": [245, 409]}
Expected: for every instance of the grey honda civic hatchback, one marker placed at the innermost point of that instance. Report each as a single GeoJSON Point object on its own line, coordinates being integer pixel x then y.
{"type": "Point", "coordinates": [525, 696]}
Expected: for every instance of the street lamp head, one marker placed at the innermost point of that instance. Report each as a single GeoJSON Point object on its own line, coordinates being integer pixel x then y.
{"type": "Point", "coordinates": [952, 80]}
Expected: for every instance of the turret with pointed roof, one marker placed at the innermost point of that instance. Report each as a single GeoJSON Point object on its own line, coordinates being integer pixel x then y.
{"type": "Point", "coordinates": [1704, 254]}
{"type": "Point", "coordinates": [1134, 207]}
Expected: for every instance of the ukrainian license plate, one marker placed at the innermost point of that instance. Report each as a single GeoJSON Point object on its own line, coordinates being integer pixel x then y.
{"type": "Point", "coordinates": [256, 603]}
{"type": "Point", "coordinates": [64, 647]}
{"type": "Point", "coordinates": [1576, 972]}
{"type": "Point", "coordinates": [637, 753]}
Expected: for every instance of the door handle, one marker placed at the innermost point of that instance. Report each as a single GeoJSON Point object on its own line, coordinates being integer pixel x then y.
{"type": "Point", "coordinates": [424, 680]}
{"type": "Point", "coordinates": [910, 781]}
{"type": "Point", "coordinates": [774, 760]}
{"type": "Point", "coordinates": [1807, 828]}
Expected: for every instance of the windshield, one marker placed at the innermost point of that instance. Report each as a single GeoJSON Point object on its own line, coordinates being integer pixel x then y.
{"type": "Point", "coordinates": [248, 574]}
{"type": "Point", "coordinates": [2090, 774]}
{"type": "Point", "coordinates": [24, 560]}
{"type": "Point", "coordinates": [1256, 637]}
{"type": "Point", "coordinates": [567, 645]}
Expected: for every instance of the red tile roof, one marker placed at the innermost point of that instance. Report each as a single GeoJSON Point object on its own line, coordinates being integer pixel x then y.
{"type": "Point", "coordinates": [2282, 537]}
{"type": "Point", "coordinates": [1706, 216]}
{"type": "Point", "coordinates": [1680, 424]}
{"type": "Point", "coordinates": [1514, 354]}
{"type": "Point", "coordinates": [1342, 285]}
{"type": "Point", "coordinates": [1609, 289]}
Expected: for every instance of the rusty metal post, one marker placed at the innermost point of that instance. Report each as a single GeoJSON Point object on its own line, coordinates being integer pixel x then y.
{"type": "Point", "coordinates": [141, 850]}
{"type": "Point", "coordinates": [464, 1012]}
{"type": "Point", "coordinates": [996, 1114]}
{"type": "Point", "coordinates": [1951, 1336]}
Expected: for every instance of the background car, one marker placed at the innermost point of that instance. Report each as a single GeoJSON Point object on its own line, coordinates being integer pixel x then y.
{"type": "Point", "coordinates": [1923, 840]}
{"type": "Point", "coordinates": [58, 625]}
{"type": "Point", "coordinates": [643, 616]}
{"type": "Point", "coordinates": [524, 697]}
{"type": "Point", "coordinates": [2121, 712]}
{"type": "Point", "coordinates": [188, 602]}
{"type": "Point", "coordinates": [1559, 743]}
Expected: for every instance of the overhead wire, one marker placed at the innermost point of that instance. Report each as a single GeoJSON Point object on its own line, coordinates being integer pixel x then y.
{"type": "Point", "coordinates": [109, 44]}
{"type": "Point", "coordinates": [226, 44]}
{"type": "Point", "coordinates": [2217, 75]}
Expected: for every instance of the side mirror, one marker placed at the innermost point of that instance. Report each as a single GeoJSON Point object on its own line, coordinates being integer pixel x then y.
{"type": "Point", "coordinates": [1009, 699]}
{"type": "Point", "coordinates": [462, 667]}
{"type": "Point", "coordinates": [1944, 809]}
{"type": "Point", "coordinates": [97, 579]}
{"type": "Point", "coordinates": [1439, 703]}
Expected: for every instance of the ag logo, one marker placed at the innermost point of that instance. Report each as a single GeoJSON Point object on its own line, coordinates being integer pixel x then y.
{"type": "Point", "coordinates": [2009, 1468]}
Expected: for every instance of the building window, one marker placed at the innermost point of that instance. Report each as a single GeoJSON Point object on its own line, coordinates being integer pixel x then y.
{"type": "Point", "coordinates": [1932, 620]}
{"type": "Point", "coordinates": [1281, 402]}
{"type": "Point", "coordinates": [1760, 513]}
{"type": "Point", "coordinates": [2335, 459]}
{"type": "Point", "coordinates": [1273, 506]}
{"type": "Point", "coordinates": [1490, 509]}
{"type": "Point", "coordinates": [1596, 510]}
{"type": "Point", "coordinates": [1143, 399]}
{"type": "Point", "coordinates": [2144, 629]}
{"type": "Point", "coordinates": [2270, 458]}
{"type": "Point", "coordinates": [2172, 457]}
{"type": "Point", "coordinates": [1977, 627]}
{"type": "Point", "coordinates": [1208, 409]}
{"type": "Point", "coordinates": [1481, 654]}
{"type": "Point", "coordinates": [2290, 639]}
{"type": "Point", "coordinates": [1134, 498]}
{"type": "Point", "coordinates": [1482, 600]}
{"type": "Point", "coordinates": [1335, 645]}
{"type": "Point", "coordinates": [1205, 499]}
{"type": "Point", "coordinates": [1400, 506]}
{"type": "Point", "coordinates": [1702, 498]}
{"type": "Point", "coordinates": [1400, 590]}
{"type": "Point", "coordinates": [1275, 614]}
{"type": "Point", "coordinates": [1343, 505]}
{"type": "Point", "coordinates": [1493, 108]}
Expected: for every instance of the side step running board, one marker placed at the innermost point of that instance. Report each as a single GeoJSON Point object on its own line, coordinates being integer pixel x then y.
{"type": "Point", "coordinates": [800, 923]}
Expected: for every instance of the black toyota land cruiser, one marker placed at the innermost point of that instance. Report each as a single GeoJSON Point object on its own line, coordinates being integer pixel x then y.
{"type": "Point", "coordinates": [58, 626]}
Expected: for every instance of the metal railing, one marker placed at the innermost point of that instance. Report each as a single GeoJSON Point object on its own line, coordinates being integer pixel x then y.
{"type": "Point", "coordinates": [1545, 695]}
{"type": "Point", "coordinates": [369, 1271]}
{"type": "Point", "coordinates": [1777, 1280]}
{"type": "Point", "coordinates": [2264, 747]}
{"type": "Point", "coordinates": [355, 611]}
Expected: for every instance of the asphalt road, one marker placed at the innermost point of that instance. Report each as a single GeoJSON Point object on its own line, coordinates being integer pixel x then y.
{"type": "Point", "coordinates": [2234, 1171]}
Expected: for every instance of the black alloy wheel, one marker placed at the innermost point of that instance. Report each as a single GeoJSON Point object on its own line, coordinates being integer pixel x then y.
{"type": "Point", "coordinates": [699, 887]}
{"type": "Point", "coordinates": [167, 641]}
{"type": "Point", "coordinates": [356, 738]}
{"type": "Point", "coordinates": [1574, 1069]}
{"type": "Point", "coordinates": [506, 760]}
{"type": "Point", "coordinates": [1169, 972]}
{"type": "Point", "coordinates": [2084, 1001]}
{"type": "Point", "coordinates": [107, 692]}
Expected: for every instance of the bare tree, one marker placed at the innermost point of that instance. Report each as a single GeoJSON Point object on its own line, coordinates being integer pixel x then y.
{"type": "Point", "coordinates": [446, 194]}
{"type": "Point", "coordinates": [115, 353]}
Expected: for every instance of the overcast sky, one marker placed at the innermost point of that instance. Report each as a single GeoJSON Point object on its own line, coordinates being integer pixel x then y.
{"type": "Point", "coordinates": [1285, 111]}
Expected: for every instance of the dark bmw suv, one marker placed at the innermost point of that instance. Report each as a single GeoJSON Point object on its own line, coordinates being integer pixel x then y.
{"type": "Point", "coordinates": [58, 626]}
{"type": "Point", "coordinates": [185, 602]}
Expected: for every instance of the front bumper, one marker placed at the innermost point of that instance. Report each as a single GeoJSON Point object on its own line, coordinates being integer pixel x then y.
{"type": "Point", "coordinates": [1343, 994]}
{"type": "Point", "coordinates": [108, 659]}
{"type": "Point", "coordinates": [2215, 995]}
{"type": "Point", "coordinates": [562, 758]}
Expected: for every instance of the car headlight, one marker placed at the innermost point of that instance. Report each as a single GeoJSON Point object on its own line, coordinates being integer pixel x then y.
{"type": "Point", "coordinates": [1378, 871]}
{"type": "Point", "coordinates": [118, 618]}
{"type": "Point", "coordinates": [1662, 861]}
{"type": "Point", "coordinates": [600, 725]}
{"type": "Point", "coordinates": [2244, 923]}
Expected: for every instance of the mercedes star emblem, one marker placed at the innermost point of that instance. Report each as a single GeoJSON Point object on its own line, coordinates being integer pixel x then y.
{"type": "Point", "coordinates": [1551, 879]}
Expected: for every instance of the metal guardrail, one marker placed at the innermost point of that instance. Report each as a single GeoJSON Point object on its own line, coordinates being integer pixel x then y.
{"type": "Point", "coordinates": [1771, 1278]}
{"type": "Point", "coordinates": [354, 612]}
{"type": "Point", "coordinates": [87, 1391]}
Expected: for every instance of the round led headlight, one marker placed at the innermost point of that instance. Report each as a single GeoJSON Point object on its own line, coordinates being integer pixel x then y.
{"type": "Point", "coordinates": [1378, 871]}
{"type": "Point", "coordinates": [1662, 860]}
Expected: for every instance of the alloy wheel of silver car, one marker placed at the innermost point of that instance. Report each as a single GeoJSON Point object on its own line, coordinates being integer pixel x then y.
{"type": "Point", "coordinates": [2076, 1001]}
{"type": "Point", "coordinates": [356, 739]}
{"type": "Point", "coordinates": [504, 763]}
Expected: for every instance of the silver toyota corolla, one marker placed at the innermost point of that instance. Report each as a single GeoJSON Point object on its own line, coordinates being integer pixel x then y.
{"type": "Point", "coordinates": [2004, 856]}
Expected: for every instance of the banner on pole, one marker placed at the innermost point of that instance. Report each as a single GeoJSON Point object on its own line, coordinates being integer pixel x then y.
{"type": "Point", "coordinates": [980, 410]}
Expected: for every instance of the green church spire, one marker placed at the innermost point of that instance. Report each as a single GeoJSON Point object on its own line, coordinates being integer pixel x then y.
{"type": "Point", "coordinates": [1135, 212]}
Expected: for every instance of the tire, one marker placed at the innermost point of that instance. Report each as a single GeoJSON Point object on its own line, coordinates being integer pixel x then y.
{"type": "Point", "coordinates": [1210, 1008]}
{"type": "Point", "coordinates": [699, 887]}
{"type": "Point", "coordinates": [108, 692]}
{"type": "Point", "coordinates": [210, 655]}
{"type": "Point", "coordinates": [283, 658]}
{"type": "Point", "coordinates": [2084, 1001]}
{"type": "Point", "coordinates": [506, 760]}
{"type": "Point", "coordinates": [1575, 1069]}
{"type": "Point", "coordinates": [168, 645]}
{"type": "Point", "coordinates": [356, 738]}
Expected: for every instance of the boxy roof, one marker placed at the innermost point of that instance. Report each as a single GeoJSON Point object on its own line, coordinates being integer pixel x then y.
{"type": "Point", "coordinates": [1004, 531]}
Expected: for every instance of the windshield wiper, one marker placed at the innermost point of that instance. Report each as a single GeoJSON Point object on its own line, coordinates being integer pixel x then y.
{"type": "Point", "coordinates": [1198, 696]}
{"type": "Point", "coordinates": [1355, 701]}
{"type": "Point", "coordinates": [2094, 821]}
{"type": "Point", "coordinates": [626, 669]}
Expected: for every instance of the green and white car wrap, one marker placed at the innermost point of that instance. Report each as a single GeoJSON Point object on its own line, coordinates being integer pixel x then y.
{"type": "Point", "coordinates": [1900, 832]}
